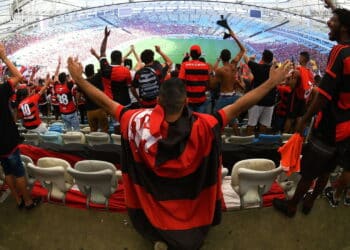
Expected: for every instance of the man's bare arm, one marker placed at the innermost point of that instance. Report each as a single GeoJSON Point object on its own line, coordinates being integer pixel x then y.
{"type": "Point", "coordinates": [16, 75]}
{"type": "Point", "coordinates": [242, 51]}
{"type": "Point", "coordinates": [76, 70]}
{"type": "Point", "coordinates": [55, 79]}
{"type": "Point", "coordinates": [167, 60]}
{"type": "Point", "coordinates": [104, 42]}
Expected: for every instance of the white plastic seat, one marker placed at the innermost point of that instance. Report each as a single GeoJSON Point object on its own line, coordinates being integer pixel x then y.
{"type": "Point", "coordinates": [97, 138]}
{"type": "Point", "coordinates": [32, 138]}
{"type": "Point", "coordinates": [117, 139]}
{"type": "Point", "coordinates": [29, 176]}
{"type": "Point", "coordinates": [73, 137]}
{"type": "Point", "coordinates": [285, 137]}
{"type": "Point", "coordinates": [96, 179]}
{"type": "Point", "coordinates": [85, 130]}
{"type": "Point", "coordinates": [252, 178]}
{"type": "Point", "coordinates": [240, 139]}
{"type": "Point", "coordinates": [52, 136]}
{"type": "Point", "coordinates": [53, 179]}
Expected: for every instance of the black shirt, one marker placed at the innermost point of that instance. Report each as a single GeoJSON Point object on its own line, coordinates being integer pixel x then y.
{"type": "Point", "coordinates": [261, 74]}
{"type": "Point", "coordinates": [96, 80]}
{"type": "Point", "coordinates": [9, 135]}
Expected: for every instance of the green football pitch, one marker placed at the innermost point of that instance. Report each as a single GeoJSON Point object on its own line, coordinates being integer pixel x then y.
{"type": "Point", "coordinates": [175, 48]}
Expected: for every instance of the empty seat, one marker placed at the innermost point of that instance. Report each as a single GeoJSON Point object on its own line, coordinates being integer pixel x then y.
{"type": "Point", "coordinates": [285, 137]}
{"type": "Point", "coordinates": [240, 139]}
{"type": "Point", "coordinates": [252, 178]}
{"type": "Point", "coordinates": [116, 139]}
{"type": "Point", "coordinates": [53, 179]}
{"type": "Point", "coordinates": [29, 176]}
{"type": "Point", "coordinates": [269, 139]}
{"type": "Point", "coordinates": [97, 138]}
{"type": "Point", "coordinates": [85, 130]}
{"type": "Point", "coordinates": [73, 137]}
{"type": "Point", "coordinates": [52, 136]}
{"type": "Point", "coordinates": [288, 183]}
{"type": "Point", "coordinates": [96, 179]}
{"type": "Point", "coordinates": [32, 138]}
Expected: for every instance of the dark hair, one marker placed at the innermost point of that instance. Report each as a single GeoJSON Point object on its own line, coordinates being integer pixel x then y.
{"type": "Point", "coordinates": [147, 56]}
{"type": "Point", "coordinates": [89, 70]}
{"type": "Point", "coordinates": [306, 55]}
{"type": "Point", "coordinates": [21, 94]}
{"type": "Point", "coordinates": [62, 77]}
{"type": "Point", "coordinates": [172, 95]}
{"type": "Point", "coordinates": [128, 63]}
{"type": "Point", "coordinates": [225, 55]}
{"type": "Point", "coordinates": [194, 54]}
{"type": "Point", "coordinates": [116, 57]}
{"type": "Point", "coordinates": [344, 17]}
{"type": "Point", "coordinates": [267, 56]}
{"type": "Point", "coordinates": [174, 73]}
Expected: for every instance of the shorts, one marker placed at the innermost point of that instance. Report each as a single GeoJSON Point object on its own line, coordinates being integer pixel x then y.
{"type": "Point", "coordinates": [261, 114]}
{"type": "Point", "coordinates": [317, 159]}
{"type": "Point", "coordinates": [343, 154]}
{"type": "Point", "coordinates": [13, 165]}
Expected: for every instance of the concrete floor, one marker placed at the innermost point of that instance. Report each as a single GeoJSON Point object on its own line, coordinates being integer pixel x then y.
{"type": "Point", "coordinates": [53, 226]}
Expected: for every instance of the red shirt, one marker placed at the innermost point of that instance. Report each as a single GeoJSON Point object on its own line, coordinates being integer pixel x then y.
{"type": "Point", "coordinates": [65, 98]}
{"type": "Point", "coordinates": [28, 109]}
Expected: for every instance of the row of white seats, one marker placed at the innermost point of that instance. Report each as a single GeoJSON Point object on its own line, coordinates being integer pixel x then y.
{"type": "Point", "coordinates": [93, 138]}
{"type": "Point", "coordinates": [97, 180]}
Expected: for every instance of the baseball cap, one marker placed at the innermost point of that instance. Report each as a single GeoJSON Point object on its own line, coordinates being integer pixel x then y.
{"type": "Point", "coordinates": [196, 48]}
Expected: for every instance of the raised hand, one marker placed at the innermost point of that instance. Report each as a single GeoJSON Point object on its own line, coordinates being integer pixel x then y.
{"type": "Point", "coordinates": [329, 4]}
{"type": "Point", "coordinates": [75, 68]}
{"type": "Point", "coordinates": [279, 74]}
{"type": "Point", "coordinates": [107, 32]}
{"type": "Point", "coordinates": [157, 47]}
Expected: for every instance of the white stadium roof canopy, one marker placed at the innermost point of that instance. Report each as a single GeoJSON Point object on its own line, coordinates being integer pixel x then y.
{"type": "Point", "coordinates": [16, 15]}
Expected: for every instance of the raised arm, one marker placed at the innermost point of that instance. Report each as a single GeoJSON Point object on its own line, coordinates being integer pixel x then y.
{"type": "Point", "coordinates": [94, 53]}
{"type": "Point", "coordinates": [277, 75]}
{"type": "Point", "coordinates": [76, 70]}
{"type": "Point", "coordinates": [46, 85]}
{"type": "Point", "coordinates": [139, 63]}
{"type": "Point", "coordinates": [242, 50]}
{"type": "Point", "coordinates": [167, 60]}
{"type": "Point", "coordinates": [128, 53]}
{"type": "Point", "coordinates": [104, 42]}
{"type": "Point", "coordinates": [55, 79]}
{"type": "Point", "coordinates": [16, 75]}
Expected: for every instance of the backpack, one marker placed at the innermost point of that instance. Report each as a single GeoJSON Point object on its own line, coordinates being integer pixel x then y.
{"type": "Point", "coordinates": [148, 83]}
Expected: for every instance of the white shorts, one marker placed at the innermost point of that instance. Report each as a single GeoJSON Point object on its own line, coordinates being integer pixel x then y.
{"type": "Point", "coordinates": [260, 114]}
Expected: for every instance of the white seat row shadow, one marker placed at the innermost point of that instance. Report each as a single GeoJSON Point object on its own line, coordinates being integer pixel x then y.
{"type": "Point", "coordinates": [93, 138]}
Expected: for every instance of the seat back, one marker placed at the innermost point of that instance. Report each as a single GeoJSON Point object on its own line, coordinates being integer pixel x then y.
{"type": "Point", "coordinates": [240, 139]}
{"type": "Point", "coordinates": [48, 162]}
{"type": "Point", "coordinates": [52, 136]}
{"type": "Point", "coordinates": [95, 165]}
{"type": "Point", "coordinates": [96, 185]}
{"type": "Point", "coordinates": [97, 138]}
{"type": "Point", "coordinates": [253, 184]}
{"type": "Point", "coordinates": [117, 139]}
{"type": "Point", "coordinates": [73, 137]}
{"type": "Point", "coordinates": [32, 138]}
{"type": "Point", "coordinates": [265, 138]}
{"type": "Point", "coordinates": [285, 137]}
{"type": "Point", "coordinates": [52, 179]}
{"type": "Point", "coordinates": [288, 183]}
{"type": "Point", "coordinates": [254, 164]}
{"type": "Point", "coordinates": [29, 176]}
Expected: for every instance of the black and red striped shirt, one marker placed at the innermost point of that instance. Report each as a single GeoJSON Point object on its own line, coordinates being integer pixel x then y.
{"type": "Point", "coordinates": [65, 98]}
{"type": "Point", "coordinates": [29, 111]}
{"type": "Point", "coordinates": [195, 74]}
{"type": "Point", "coordinates": [335, 86]}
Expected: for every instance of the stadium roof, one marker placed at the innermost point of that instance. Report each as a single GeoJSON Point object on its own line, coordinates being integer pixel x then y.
{"type": "Point", "coordinates": [18, 14]}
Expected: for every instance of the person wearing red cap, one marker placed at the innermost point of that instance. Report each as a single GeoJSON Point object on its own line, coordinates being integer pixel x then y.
{"type": "Point", "coordinates": [195, 74]}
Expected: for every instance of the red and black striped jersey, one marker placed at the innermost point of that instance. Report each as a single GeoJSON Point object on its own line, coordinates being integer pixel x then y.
{"type": "Point", "coordinates": [116, 80]}
{"type": "Point", "coordinates": [28, 109]}
{"type": "Point", "coordinates": [172, 172]}
{"type": "Point", "coordinates": [335, 86]}
{"type": "Point", "coordinates": [65, 97]}
{"type": "Point", "coordinates": [195, 74]}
